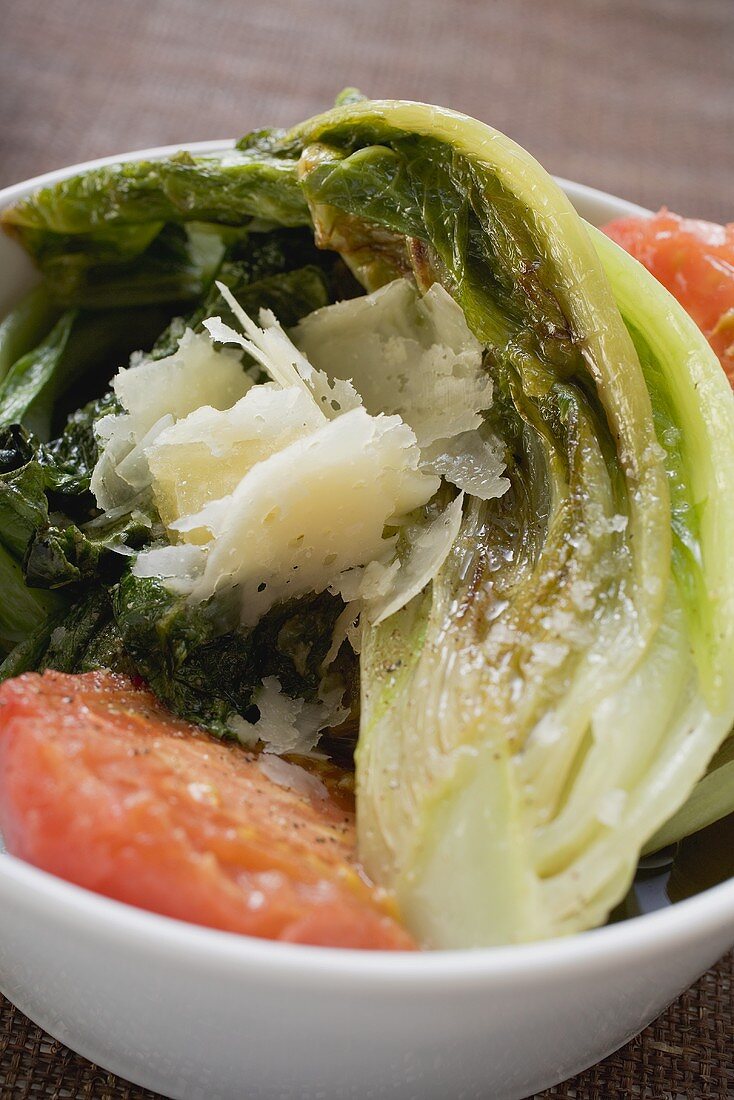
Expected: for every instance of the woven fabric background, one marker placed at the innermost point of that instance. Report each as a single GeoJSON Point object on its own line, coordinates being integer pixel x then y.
{"type": "Point", "coordinates": [633, 96]}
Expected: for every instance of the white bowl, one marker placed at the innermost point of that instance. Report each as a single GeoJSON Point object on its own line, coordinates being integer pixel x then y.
{"type": "Point", "coordinates": [195, 1013]}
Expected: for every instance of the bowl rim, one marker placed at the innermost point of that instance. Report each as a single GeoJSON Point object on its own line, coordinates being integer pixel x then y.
{"type": "Point", "coordinates": [100, 917]}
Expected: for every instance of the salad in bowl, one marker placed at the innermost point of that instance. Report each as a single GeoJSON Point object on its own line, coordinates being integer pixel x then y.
{"type": "Point", "coordinates": [364, 532]}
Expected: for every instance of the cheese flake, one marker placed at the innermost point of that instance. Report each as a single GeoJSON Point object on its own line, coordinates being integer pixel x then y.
{"type": "Point", "coordinates": [310, 512]}
{"type": "Point", "coordinates": [404, 353]}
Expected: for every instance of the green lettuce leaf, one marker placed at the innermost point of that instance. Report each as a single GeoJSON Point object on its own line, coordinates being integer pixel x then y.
{"type": "Point", "coordinates": [177, 265]}
{"type": "Point", "coordinates": [255, 180]}
{"type": "Point", "coordinates": [73, 363]}
{"type": "Point", "coordinates": [712, 800]}
{"type": "Point", "coordinates": [538, 713]}
{"type": "Point", "coordinates": [23, 503]}
{"type": "Point", "coordinates": [81, 638]}
{"type": "Point", "coordinates": [54, 551]}
{"type": "Point", "coordinates": [32, 376]}
{"type": "Point", "coordinates": [25, 326]}
{"type": "Point", "coordinates": [69, 460]}
{"type": "Point", "coordinates": [204, 668]}
{"type": "Point", "coordinates": [22, 609]}
{"type": "Point", "coordinates": [281, 270]}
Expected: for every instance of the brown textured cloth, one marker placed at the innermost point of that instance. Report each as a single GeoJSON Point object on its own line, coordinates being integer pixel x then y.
{"type": "Point", "coordinates": [632, 97]}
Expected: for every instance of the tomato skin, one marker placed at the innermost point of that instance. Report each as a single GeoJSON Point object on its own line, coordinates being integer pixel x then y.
{"type": "Point", "coordinates": [101, 786]}
{"type": "Point", "coordinates": [694, 260]}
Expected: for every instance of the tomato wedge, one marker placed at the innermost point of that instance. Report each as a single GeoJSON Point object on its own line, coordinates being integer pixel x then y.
{"type": "Point", "coordinates": [101, 786]}
{"type": "Point", "coordinates": [694, 260]}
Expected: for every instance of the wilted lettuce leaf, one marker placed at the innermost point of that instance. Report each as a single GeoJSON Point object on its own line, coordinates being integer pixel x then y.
{"type": "Point", "coordinates": [69, 460]}
{"type": "Point", "coordinates": [177, 265]}
{"type": "Point", "coordinates": [62, 554]}
{"type": "Point", "coordinates": [86, 638]}
{"type": "Point", "coordinates": [281, 270]}
{"type": "Point", "coordinates": [24, 653]}
{"type": "Point", "coordinates": [80, 638]}
{"type": "Point", "coordinates": [206, 670]}
{"type": "Point", "coordinates": [32, 377]}
{"type": "Point", "coordinates": [74, 363]}
{"type": "Point", "coordinates": [508, 771]}
{"type": "Point", "coordinates": [22, 609]}
{"type": "Point", "coordinates": [25, 326]}
{"type": "Point", "coordinates": [256, 180]}
{"type": "Point", "coordinates": [56, 552]}
{"type": "Point", "coordinates": [291, 295]}
{"type": "Point", "coordinates": [712, 799]}
{"type": "Point", "coordinates": [23, 503]}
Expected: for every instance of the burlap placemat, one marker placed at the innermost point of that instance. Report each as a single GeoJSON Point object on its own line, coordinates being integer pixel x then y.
{"type": "Point", "coordinates": [685, 1055]}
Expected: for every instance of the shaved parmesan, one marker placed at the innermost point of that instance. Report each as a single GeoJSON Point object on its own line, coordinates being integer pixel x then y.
{"type": "Point", "coordinates": [178, 565]}
{"type": "Point", "coordinates": [116, 439]}
{"type": "Point", "coordinates": [292, 776]}
{"type": "Point", "coordinates": [294, 486]}
{"type": "Point", "coordinates": [406, 354]}
{"type": "Point", "coordinates": [305, 515]}
{"type": "Point", "coordinates": [470, 462]}
{"type": "Point", "coordinates": [368, 582]}
{"type": "Point", "coordinates": [274, 351]}
{"type": "Point", "coordinates": [154, 394]}
{"type": "Point", "coordinates": [133, 468]}
{"type": "Point", "coordinates": [285, 725]}
{"type": "Point", "coordinates": [196, 374]}
{"type": "Point", "coordinates": [421, 564]}
{"type": "Point", "coordinates": [346, 628]}
{"type": "Point", "coordinates": [205, 456]}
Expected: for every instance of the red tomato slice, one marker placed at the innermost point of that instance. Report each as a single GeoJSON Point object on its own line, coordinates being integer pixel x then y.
{"type": "Point", "coordinates": [695, 261]}
{"type": "Point", "coordinates": [101, 786]}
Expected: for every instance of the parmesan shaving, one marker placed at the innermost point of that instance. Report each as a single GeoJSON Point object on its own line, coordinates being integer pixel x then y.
{"type": "Point", "coordinates": [196, 374]}
{"type": "Point", "coordinates": [116, 438]}
{"type": "Point", "coordinates": [307, 514]}
{"type": "Point", "coordinates": [269, 346]}
{"type": "Point", "coordinates": [406, 354]}
{"type": "Point", "coordinates": [179, 565]}
{"type": "Point", "coordinates": [133, 468]}
{"type": "Point", "coordinates": [286, 725]}
{"type": "Point", "coordinates": [471, 463]}
{"type": "Point", "coordinates": [293, 777]}
{"type": "Point", "coordinates": [205, 456]}
{"type": "Point", "coordinates": [294, 486]}
{"type": "Point", "coordinates": [368, 582]}
{"type": "Point", "coordinates": [154, 394]}
{"type": "Point", "coordinates": [346, 628]}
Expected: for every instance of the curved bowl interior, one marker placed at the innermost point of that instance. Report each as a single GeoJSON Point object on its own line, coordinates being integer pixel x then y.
{"type": "Point", "coordinates": [192, 1012]}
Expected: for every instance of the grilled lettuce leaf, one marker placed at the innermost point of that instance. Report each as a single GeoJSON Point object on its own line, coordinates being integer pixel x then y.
{"type": "Point", "coordinates": [204, 666]}
{"type": "Point", "coordinates": [255, 180]}
{"type": "Point", "coordinates": [533, 718]}
{"type": "Point", "coordinates": [25, 326]}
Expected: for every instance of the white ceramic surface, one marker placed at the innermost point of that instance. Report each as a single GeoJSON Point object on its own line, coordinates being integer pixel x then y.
{"type": "Point", "coordinates": [204, 1015]}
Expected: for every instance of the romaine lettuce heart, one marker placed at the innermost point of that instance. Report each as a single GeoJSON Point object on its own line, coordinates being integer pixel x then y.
{"type": "Point", "coordinates": [537, 714]}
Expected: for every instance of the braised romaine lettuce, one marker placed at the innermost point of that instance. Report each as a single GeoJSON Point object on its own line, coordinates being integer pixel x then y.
{"type": "Point", "coordinates": [120, 208]}
{"type": "Point", "coordinates": [691, 410]}
{"type": "Point", "coordinates": [537, 714]}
